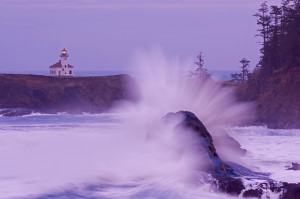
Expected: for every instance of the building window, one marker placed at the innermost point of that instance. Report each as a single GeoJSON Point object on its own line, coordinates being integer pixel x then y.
{"type": "Point", "coordinates": [70, 72]}
{"type": "Point", "coordinates": [62, 69]}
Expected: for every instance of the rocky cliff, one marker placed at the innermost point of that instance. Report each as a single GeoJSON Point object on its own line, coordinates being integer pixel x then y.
{"type": "Point", "coordinates": [277, 99]}
{"type": "Point", "coordinates": [26, 93]}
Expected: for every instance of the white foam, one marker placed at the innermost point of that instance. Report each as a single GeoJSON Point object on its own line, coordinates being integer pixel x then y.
{"type": "Point", "coordinates": [270, 150]}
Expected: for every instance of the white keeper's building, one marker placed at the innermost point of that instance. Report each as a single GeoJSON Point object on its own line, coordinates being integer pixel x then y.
{"type": "Point", "coordinates": [62, 68]}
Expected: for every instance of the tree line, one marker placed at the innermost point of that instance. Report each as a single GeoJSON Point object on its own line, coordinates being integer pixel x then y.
{"type": "Point", "coordinates": [279, 28]}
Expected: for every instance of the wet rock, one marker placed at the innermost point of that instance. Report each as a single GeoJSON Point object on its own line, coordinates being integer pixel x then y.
{"type": "Point", "coordinates": [291, 191]}
{"type": "Point", "coordinates": [275, 187]}
{"type": "Point", "coordinates": [253, 193]}
{"type": "Point", "coordinates": [190, 122]}
{"type": "Point", "coordinates": [15, 112]}
{"type": "Point", "coordinates": [225, 176]}
{"type": "Point", "coordinates": [230, 185]}
{"type": "Point", "coordinates": [295, 166]}
{"type": "Point", "coordinates": [5, 111]}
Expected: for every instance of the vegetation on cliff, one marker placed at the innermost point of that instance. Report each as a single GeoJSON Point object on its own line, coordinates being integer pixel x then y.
{"type": "Point", "coordinates": [279, 29]}
{"type": "Point", "coordinates": [274, 83]}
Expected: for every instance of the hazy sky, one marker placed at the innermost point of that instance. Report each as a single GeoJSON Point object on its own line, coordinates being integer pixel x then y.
{"type": "Point", "coordinates": [105, 34]}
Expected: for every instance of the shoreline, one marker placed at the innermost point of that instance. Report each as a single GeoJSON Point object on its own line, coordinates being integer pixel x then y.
{"type": "Point", "coordinates": [24, 94]}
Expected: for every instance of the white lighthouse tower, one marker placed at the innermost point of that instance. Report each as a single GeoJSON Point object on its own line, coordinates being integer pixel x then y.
{"type": "Point", "coordinates": [64, 58]}
{"type": "Point", "coordinates": [62, 68]}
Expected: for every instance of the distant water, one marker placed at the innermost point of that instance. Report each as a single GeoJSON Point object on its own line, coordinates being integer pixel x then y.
{"type": "Point", "coordinates": [220, 75]}
{"type": "Point", "coordinates": [77, 73]}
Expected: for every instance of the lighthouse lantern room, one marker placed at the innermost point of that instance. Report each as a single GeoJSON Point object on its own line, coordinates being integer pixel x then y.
{"type": "Point", "coordinates": [62, 67]}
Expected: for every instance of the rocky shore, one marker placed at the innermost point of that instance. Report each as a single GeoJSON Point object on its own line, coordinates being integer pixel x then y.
{"type": "Point", "coordinates": [24, 94]}
{"type": "Point", "coordinates": [229, 177]}
{"type": "Point", "coordinates": [277, 100]}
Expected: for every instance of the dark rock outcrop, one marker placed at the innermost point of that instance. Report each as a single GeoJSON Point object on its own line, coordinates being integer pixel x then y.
{"type": "Point", "coordinates": [230, 185]}
{"type": "Point", "coordinates": [291, 191]}
{"type": "Point", "coordinates": [22, 94]}
{"type": "Point", "coordinates": [228, 175]}
{"type": "Point", "coordinates": [13, 112]}
{"type": "Point", "coordinates": [226, 178]}
{"type": "Point", "coordinates": [192, 123]}
{"type": "Point", "coordinates": [253, 193]}
{"type": "Point", "coordinates": [295, 166]}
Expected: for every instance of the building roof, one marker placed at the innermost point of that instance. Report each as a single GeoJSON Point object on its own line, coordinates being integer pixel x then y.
{"type": "Point", "coordinates": [58, 65]}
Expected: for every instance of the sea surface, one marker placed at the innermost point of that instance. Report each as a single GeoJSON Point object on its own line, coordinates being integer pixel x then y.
{"type": "Point", "coordinates": [130, 153]}
{"type": "Point", "coordinates": [91, 156]}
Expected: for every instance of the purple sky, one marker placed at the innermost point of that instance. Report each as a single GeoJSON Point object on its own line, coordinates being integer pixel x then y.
{"type": "Point", "coordinates": [105, 34]}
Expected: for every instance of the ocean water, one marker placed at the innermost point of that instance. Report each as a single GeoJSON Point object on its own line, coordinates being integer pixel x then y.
{"type": "Point", "coordinates": [130, 153]}
{"type": "Point", "coordinates": [269, 150]}
{"type": "Point", "coordinates": [83, 156]}
{"type": "Point", "coordinates": [90, 156]}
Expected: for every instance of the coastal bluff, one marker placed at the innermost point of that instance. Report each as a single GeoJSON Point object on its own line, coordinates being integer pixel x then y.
{"type": "Point", "coordinates": [277, 100]}
{"type": "Point", "coordinates": [22, 94]}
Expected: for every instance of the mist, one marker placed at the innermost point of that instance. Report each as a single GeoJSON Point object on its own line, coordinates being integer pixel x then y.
{"type": "Point", "coordinates": [138, 146]}
{"type": "Point", "coordinates": [164, 85]}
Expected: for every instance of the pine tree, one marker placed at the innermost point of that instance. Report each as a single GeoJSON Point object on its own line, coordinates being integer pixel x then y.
{"type": "Point", "coordinates": [274, 42]}
{"type": "Point", "coordinates": [264, 23]}
{"type": "Point", "coordinates": [245, 69]}
{"type": "Point", "coordinates": [263, 20]}
{"type": "Point", "coordinates": [243, 75]}
{"type": "Point", "coordinates": [292, 39]}
{"type": "Point", "coordinates": [200, 70]}
{"type": "Point", "coordinates": [236, 77]}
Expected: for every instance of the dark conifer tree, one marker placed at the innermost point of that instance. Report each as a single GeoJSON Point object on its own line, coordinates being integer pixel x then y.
{"type": "Point", "coordinates": [263, 20]}
{"type": "Point", "coordinates": [280, 31]}
{"type": "Point", "coordinates": [274, 42]}
{"type": "Point", "coordinates": [243, 75]}
{"type": "Point", "coordinates": [200, 70]}
{"type": "Point", "coordinates": [236, 77]}
{"type": "Point", "coordinates": [245, 69]}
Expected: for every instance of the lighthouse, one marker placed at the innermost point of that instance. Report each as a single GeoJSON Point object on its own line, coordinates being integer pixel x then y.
{"type": "Point", "coordinates": [62, 67]}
